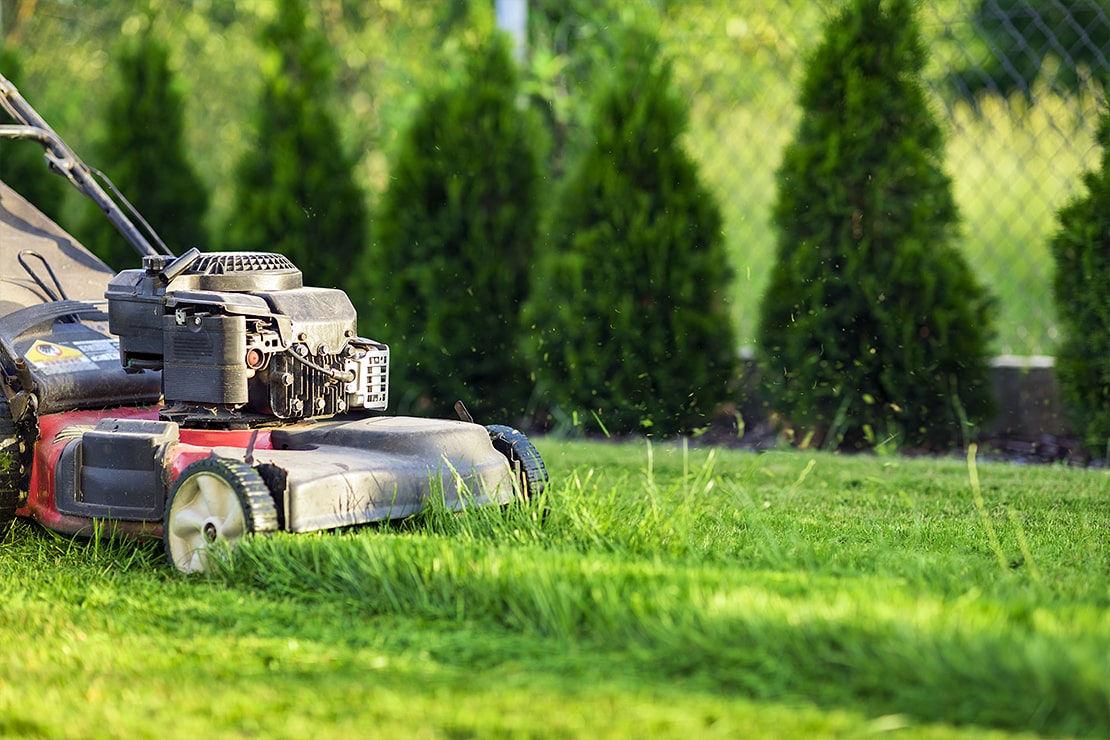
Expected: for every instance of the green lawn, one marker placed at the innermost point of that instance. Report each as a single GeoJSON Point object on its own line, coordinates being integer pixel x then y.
{"type": "Point", "coordinates": [668, 593]}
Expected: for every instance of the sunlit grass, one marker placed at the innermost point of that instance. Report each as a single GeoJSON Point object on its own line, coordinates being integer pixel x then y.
{"type": "Point", "coordinates": [660, 591]}
{"type": "Point", "coordinates": [913, 590]}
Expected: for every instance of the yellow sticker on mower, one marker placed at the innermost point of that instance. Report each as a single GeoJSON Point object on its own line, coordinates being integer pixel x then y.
{"type": "Point", "coordinates": [52, 359]}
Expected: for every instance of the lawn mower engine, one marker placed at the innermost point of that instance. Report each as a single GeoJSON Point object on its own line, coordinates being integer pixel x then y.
{"type": "Point", "coordinates": [242, 342]}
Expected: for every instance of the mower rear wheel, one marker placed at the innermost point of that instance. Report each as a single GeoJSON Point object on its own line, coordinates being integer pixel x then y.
{"type": "Point", "coordinates": [11, 465]}
{"type": "Point", "coordinates": [214, 500]}
{"type": "Point", "coordinates": [523, 458]}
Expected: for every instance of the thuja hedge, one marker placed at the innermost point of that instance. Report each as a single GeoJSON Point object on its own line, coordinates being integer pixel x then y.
{"type": "Point", "coordinates": [21, 163]}
{"type": "Point", "coordinates": [295, 188]}
{"type": "Point", "coordinates": [144, 153]}
{"type": "Point", "coordinates": [1081, 287]}
{"type": "Point", "coordinates": [628, 323]}
{"type": "Point", "coordinates": [453, 244]}
{"type": "Point", "coordinates": [873, 327]}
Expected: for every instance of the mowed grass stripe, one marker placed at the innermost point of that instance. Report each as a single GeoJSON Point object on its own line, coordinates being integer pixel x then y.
{"type": "Point", "coordinates": [668, 592]}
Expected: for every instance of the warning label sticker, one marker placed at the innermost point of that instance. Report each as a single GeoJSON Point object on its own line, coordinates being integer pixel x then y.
{"type": "Point", "coordinates": [99, 350]}
{"type": "Point", "coordinates": [52, 359]}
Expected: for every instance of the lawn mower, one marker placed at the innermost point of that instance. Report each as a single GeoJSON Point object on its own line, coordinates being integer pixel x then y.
{"type": "Point", "coordinates": [205, 397]}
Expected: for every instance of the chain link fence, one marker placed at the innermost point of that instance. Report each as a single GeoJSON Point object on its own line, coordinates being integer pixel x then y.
{"type": "Point", "coordinates": [1016, 84]}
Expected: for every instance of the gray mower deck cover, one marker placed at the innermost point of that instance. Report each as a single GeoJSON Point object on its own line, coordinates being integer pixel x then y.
{"type": "Point", "coordinates": [341, 472]}
{"type": "Point", "coordinates": [23, 227]}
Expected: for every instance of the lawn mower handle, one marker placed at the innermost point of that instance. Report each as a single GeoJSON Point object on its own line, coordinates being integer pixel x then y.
{"type": "Point", "coordinates": [65, 162]}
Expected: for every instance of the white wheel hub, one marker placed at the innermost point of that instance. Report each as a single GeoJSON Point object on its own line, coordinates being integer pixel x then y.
{"type": "Point", "coordinates": [205, 510]}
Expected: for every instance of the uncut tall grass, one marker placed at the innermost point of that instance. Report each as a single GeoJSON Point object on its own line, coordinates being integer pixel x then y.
{"type": "Point", "coordinates": [983, 606]}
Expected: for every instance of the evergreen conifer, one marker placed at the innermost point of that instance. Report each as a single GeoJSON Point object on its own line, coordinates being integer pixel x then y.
{"type": "Point", "coordinates": [143, 153]}
{"type": "Point", "coordinates": [295, 187]}
{"type": "Point", "coordinates": [872, 327]}
{"type": "Point", "coordinates": [454, 243]}
{"type": "Point", "coordinates": [22, 165]}
{"type": "Point", "coordinates": [1081, 287]}
{"type": "Point", "coordinates": [628, 315]}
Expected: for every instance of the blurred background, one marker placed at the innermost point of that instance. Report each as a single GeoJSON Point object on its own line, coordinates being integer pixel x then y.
{"type": "Point", "coordinates": [1018, 86]}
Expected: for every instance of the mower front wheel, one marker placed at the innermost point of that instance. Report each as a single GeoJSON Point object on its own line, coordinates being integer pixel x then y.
{"type": "Point", "coordinates": [214, 500]}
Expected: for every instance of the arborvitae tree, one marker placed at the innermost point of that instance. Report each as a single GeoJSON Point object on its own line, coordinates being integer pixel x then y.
{"type": "Point", "coordinates": [873, 327]}
{"type": "Point", "coordinates": [571, 43]}
{"type": "Point", "coordinates": [454, 242]}
{"type": "Point", "coordinates": [22, 165]}
{"type": "Point", "coordinates": [1081, 285]}
{"type": "Point", "coordinates": [628, 318]}
{"type": "Point", "coordinates": [295, 188]}
{"type": "Point", "coordinates": [143, 153]}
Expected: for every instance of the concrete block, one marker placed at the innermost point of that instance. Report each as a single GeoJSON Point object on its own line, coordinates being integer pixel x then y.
{"type": "Point", "coordinates": [1027, 398]}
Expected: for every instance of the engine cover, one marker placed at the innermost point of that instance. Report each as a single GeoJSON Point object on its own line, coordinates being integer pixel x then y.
{"type": "Point", "coordinates": [239, 338]}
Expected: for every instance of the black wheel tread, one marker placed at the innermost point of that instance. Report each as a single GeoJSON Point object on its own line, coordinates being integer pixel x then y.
{"type": "Point", "coordinates": [259, 512]}
{"type": "Point", "coordinates": [258, 503]}
{"type": "Point", "coordinates": [516, 446]}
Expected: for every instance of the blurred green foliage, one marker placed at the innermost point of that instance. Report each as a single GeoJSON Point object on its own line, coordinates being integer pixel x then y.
{"type": "Point", "coordinates": [1081, 285]}
{"type": "Point", "coordinates": [628, 313]}
{"type": "Point", "coordinates": [873, 326]}
{"type": "Point", "coordinates": [736, 67]}
{"type": "Point", "coordinates": [295, 189]}
{"type": "Point", "coordinates": [145, 142]}
{"type": "Point", "coordinates": [22, 161]}
{"type": "Point", "coordinates": [1065, 40]}
{"type": "Point", "coordinates": [454, 243]}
